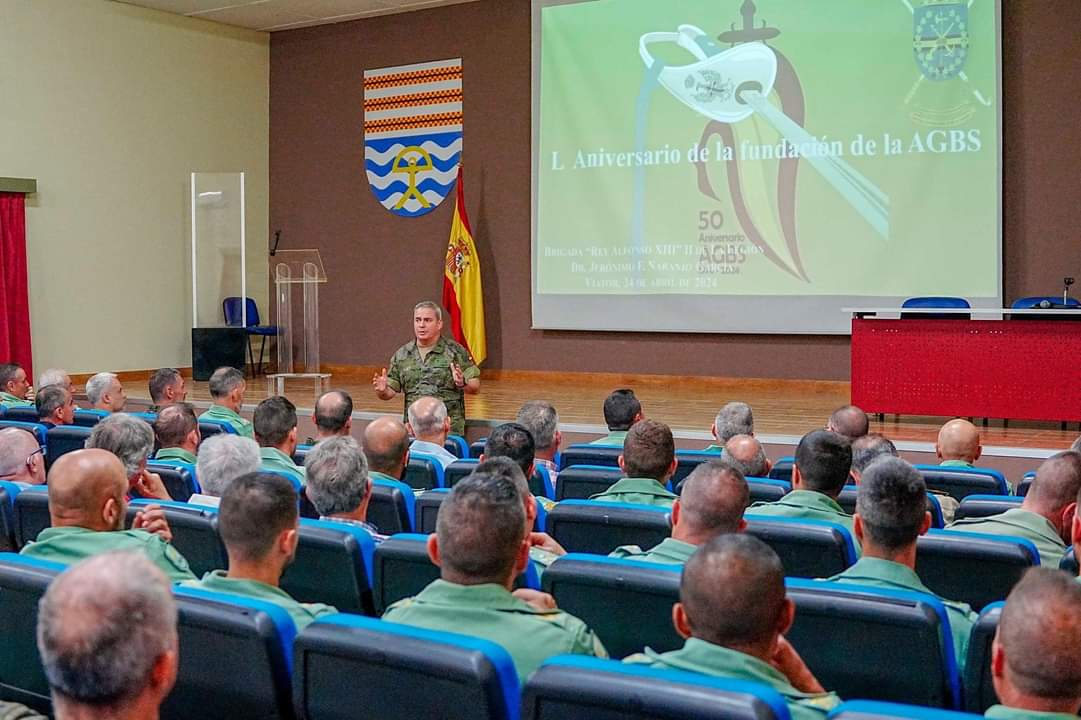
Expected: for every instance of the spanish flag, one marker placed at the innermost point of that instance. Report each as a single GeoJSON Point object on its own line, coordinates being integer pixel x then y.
{"type": "Point", "coordinates": [462, 294]}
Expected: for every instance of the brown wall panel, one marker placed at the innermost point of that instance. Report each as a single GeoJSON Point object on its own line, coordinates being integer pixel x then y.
{"type": "Point", "coordinates": [380, 264]}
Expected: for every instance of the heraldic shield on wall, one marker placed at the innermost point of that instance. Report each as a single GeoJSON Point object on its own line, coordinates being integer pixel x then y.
{"type": "Point", "coordinates": [413, 134]}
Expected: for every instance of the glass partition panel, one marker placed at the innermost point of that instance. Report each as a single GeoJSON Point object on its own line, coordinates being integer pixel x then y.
{"type": "Point", "coordinates": [217, 248]}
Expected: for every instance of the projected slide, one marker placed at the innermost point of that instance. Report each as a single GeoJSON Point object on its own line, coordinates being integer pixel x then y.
{"type": "Point", "coordinates": [755, 165]}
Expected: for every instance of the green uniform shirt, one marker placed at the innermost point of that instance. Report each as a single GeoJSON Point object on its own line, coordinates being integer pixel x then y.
{"type": "Point", "coordinates": [669, 550]}
{"type": "Point", "coordinates": [1020, 523]}
{"type": "Point", "coordinates": [956, 464]}
{"type": "Point", "coordinates": [805, 505]}
{"type": "Point", "coordinates": [699, 656]}
{"type": "Point", "coordinates": [719, 449]}
{"type": "Point", "coordinates": [8, 400]}
{"type": "Point", "coordinates": [490, 612]}
{"type": "Point", "coordinates": [642, 491]}
{"type": "Point", "coordinates": [1001, 712]}
{"type": "Point", "coordinates": [274, 459]}
{"type": "Point", "coordinates": [14, 711]}
{"type": "Point", "coordinates": [303, 614]}
{"type": "Point", "coordinates": [615, 437]}
{"type": "Point", "coordinates": [175, 453]}
{"type": "Point", "coordinates": [69, 545]}
{"type": "Point", "coordinates": [219, 413]}
{"type": "Point", "coordinates": [431, 376]}
{"type": "Point", "coordinates": [876, 572]}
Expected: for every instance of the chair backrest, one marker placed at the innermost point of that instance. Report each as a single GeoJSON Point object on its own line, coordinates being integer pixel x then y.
{"type": "Point", "coordinates": [540, 483]}
{"type": "Point", "coordinates": [476, 448]}
{"type": "Point", "coordinates": [63, 439]}
{"type": "Point", "coordinates": [911, 638]}
{"type": "Point", "coordinates": [457, 446]}
{"type": "Point", "coordinates": [936, 302]}
{"type": "Point", "coordinates": [1025, 483]}
{"type": "Point", "coordinates": [782, 468]}
{"type": "Point", "coordinates": [627, 603]}
{"type": "Point", "coordinates": [424, 472]}
{"type": "Point", "coordinates": [973, 568]}
{"type": "Point", "coordinates": [579, 482]}
{"type": "Point", "coordinates": [1069, 562]}
{"type": "Point", "coordinates": [603, 455]}
{"type": "Point", "coordinates": [687, 461]}
{"type": "Point", "coordinates": [807, 548]}
{"type": "Point", "coordinates": [230, 308]}
{"type": "Point", "coordinates": [847, 498]}
{"type": "Point", "coordinates": [873, 710]}
{"type": "Point", "coordinates": [34, 428]}
{"type": "Point", "coordinates": [89, 418]}
{"type": "Point", "coordinates": [428, 504]}
{"type": "Point", "coordinates": [959, 482]}
{"type": "Point", "coordinates": [210, 429]}
{"type": "Point", "coordinates": [333, 566]}
{"type": "Point", "coordinates": [300, 454]}
{"type": "Point", "coordinates": [458, 470]}
{"type": "Point", "coordinates": [1033, 302]}
{"type": "Point", "coordinates": [350, 666]}
{"type": "Point", "coordinates": [8, 492]}
{"type": "Point", "coordinates": [979, 689]}
{"type": "Point", "coordinates": [391, 508]}
{"type": "Point", "coordinates": [22, 413]}
{"type": "Point", "coordinates": [23, 581]}
{"type": "Point", "coordinates": [767, 490]}
{"type": "Point", "coordinates": [31, 514]}
{"type": "Point", "coordinates": [195, 533]}
{"type": "Point", "coordinates": [235, 658]}
{"type": "Point", "coordinates": [975, 506]}
{"type": "Point", "coordinates": [178, 478]}
{"type": "Point", "coordinates": [589, 526]}
{"type": "Point", "coordinates": [573, 687]}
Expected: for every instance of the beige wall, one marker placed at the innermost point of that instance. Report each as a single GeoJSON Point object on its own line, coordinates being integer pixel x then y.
{"type": "Point", "coordinates": [111, 107]}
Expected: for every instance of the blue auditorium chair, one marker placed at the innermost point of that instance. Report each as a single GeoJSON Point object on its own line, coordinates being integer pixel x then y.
{"type": "Point", "coordinates": [22, 413]}
{"type": "Point", "coordinates": [579, 482]}
{"type": "Point", "coordinates": [457, 446]}
{"type": "Point", "coordinates": [872, 710]}
{"type": "Point", "coordinates": [973, 568]}
{"type": "Point", "coordinates": [210, 428]}
{"type": "Point", "coordinates": [960, 482]}
{"type": "Point", "coordinates": [1026, 483]}
{"type": "Point", "coordinates": [476, 448]}
{"type": "Point", "coordinates": [63, 439]}
{"type": "Point", "coordinates": [604, 455]}
{"type": "Point", "coordinates": [392, 506]}
{"type": "Point", "coordinates": [458, 470]}
{"type": "Point", "coordinates": [89, 418]}
{"type": "Point", "coordinates": [849, 494]}
{"type": "Point", "coordinates": [936, 302]}
{"type": "Point", "coordinates": [574, 687]}
{"type": "Point", "coordinates": [352, 667]}
{"type": "Point", "coordinates": [782, 468]}
{"type": "Point", "coordinates": [195, 533]}
{"type": "Point", "coordinates": [807, 548]}
{"type": "Point", "coordinates": [333, 565]}
{"type": "Point", "coordinates": [687, 461]}
{"type": "Point", "coordinates": [424, 472]}
{"type": "Point", "coordinates": [23, 581]}
{"type": "Point", "coordinates": [427, 510]}
{"type": "Point", "coordinates": [8, 492]}
{"type": "Point", "coordinates": [627, 603]}
{"type": "Point", "coordinates": [231, 309]}
{"type": "Point", "coordinates": [987, 505]}
{"type": "Point", "coordinates": [235, 658]}
{"type": "Point", "coordinates": [31, 514]}
{"type": "Point", "coordinates": [979, 689]}
{"type": "Point", "coordinates": [34, 428]}
{"type": "Point", "coordinates": [863, 642]}
{"type": "Point", "coordinates": [148, 417]}
{"type": "Point", "coordinates": [1069, 562]}
{"type": "Point", "coordinates": [178, 478]}
{"type": "Point", "coordinates": [767, 490]}
{"type": "Point", "coordinates": [300, 454]}
{"type": "Point", "coordinates": [590, 526]}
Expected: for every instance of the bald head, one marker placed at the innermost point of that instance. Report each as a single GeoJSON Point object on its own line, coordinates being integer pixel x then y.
{"type": "Point", "coordinates": [20, 457]}
{"type": "Point", "coordinates": [849, 421]}
{"type": "Point", "coordinates": [428, 420]}
{"type": "Point", "coordinates": [333, 413]}
{"type": "Point", "coordinates": [959, 440]}
{"type": "Point", "coordinates": [87, 489]}
{"type": "Point", "coordinates": [386, 445]}
{"type": "Point", "coordinates": [747, 452]}
{"type": "Point", "coordinates": [733, 593]}
{"type": "Point", "coordinates": [1036, 663]}
{"type": "Point", "coordinates": [711, 503]}
{"type": "Point", "coordinates": [1054, 489]}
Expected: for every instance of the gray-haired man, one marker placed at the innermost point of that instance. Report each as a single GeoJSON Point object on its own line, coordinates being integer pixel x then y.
{"type": "Point", "coordinates": [338, 483]}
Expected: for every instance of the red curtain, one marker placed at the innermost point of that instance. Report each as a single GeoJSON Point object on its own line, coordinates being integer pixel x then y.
{"type": "Point", "coordinates": [15, 318]}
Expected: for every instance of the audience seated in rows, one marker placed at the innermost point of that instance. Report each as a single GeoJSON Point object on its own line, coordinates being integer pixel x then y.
{"type": "Point", "coordinates": [227, 388]}
{"type": "Point", "coordinates": [543, 548]}
{"type": "Point", "coordinates": [1046, 515]}
{"type": "Point", "coordinates": [167, 386]}
{"type": "Point", "coordinates": [223, 458]}
{"type": "Point", "coordinates": [542, 421]}
{"type": "Point", "coordinates": [15, 389]}
{"type": "Point", "coordinates": [131, 440]}
{"type": "Point", "coordinates": [338, 483]}
{"type": "Point", "coordinates": [1036, 654]}
{"type": "Point", "coordinates": [333, 416]}
{"type": "Point", "coordinates": [21, 457]}
{"type": "Point", "coordinates": [56, 376]}
{"type": "Point", "coordinates": [87, 507]}
{"type": "Point", "coordinates": [105, 392]}
{"type": "Point", "coordinates": [386, 447]}
{"type": "Point", "coordinates": [177, 431]}
{"type": "Point", "coordinates": [55, 405]}
{"type": "Point", "coordinates": [107, 636]}
{"type": "Point", "coordinates": [275, 426]}
{"type": "Point", "coordinates": [958, 444]}
{"type": "Point", "coordinates": [891, 514]}
{"type": "Point", "coordinates": [648, 460]}
{"type": "Point", "coordinates": [734, 613]}
{"type": "Point", "coordinates": [748, 454]}
{"type": "Point", "coordinates": [850, 421]}
{"type": "Point", "coordinates": [621, 411]}
{"type": "Point", "coordinates": [823, 461]}
{"type": "Point", "coordinates": [429, 424]}
{"type": "Point", "coordinates": [480, 546]}
{"type": "Point", "coordinates": [259, 523]}
{"type": "Point", "coordinates": [867, 449]}
{"type": "Point", "coordinates": [734, 418]}
{"type": "Point", "coordinates": [514, 442]}
{"type": "Point", "coordinates": [712, 503]}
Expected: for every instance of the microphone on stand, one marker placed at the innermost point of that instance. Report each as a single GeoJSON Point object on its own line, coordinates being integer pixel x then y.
{"type": "Point", "coordinates": [1066, 283]}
